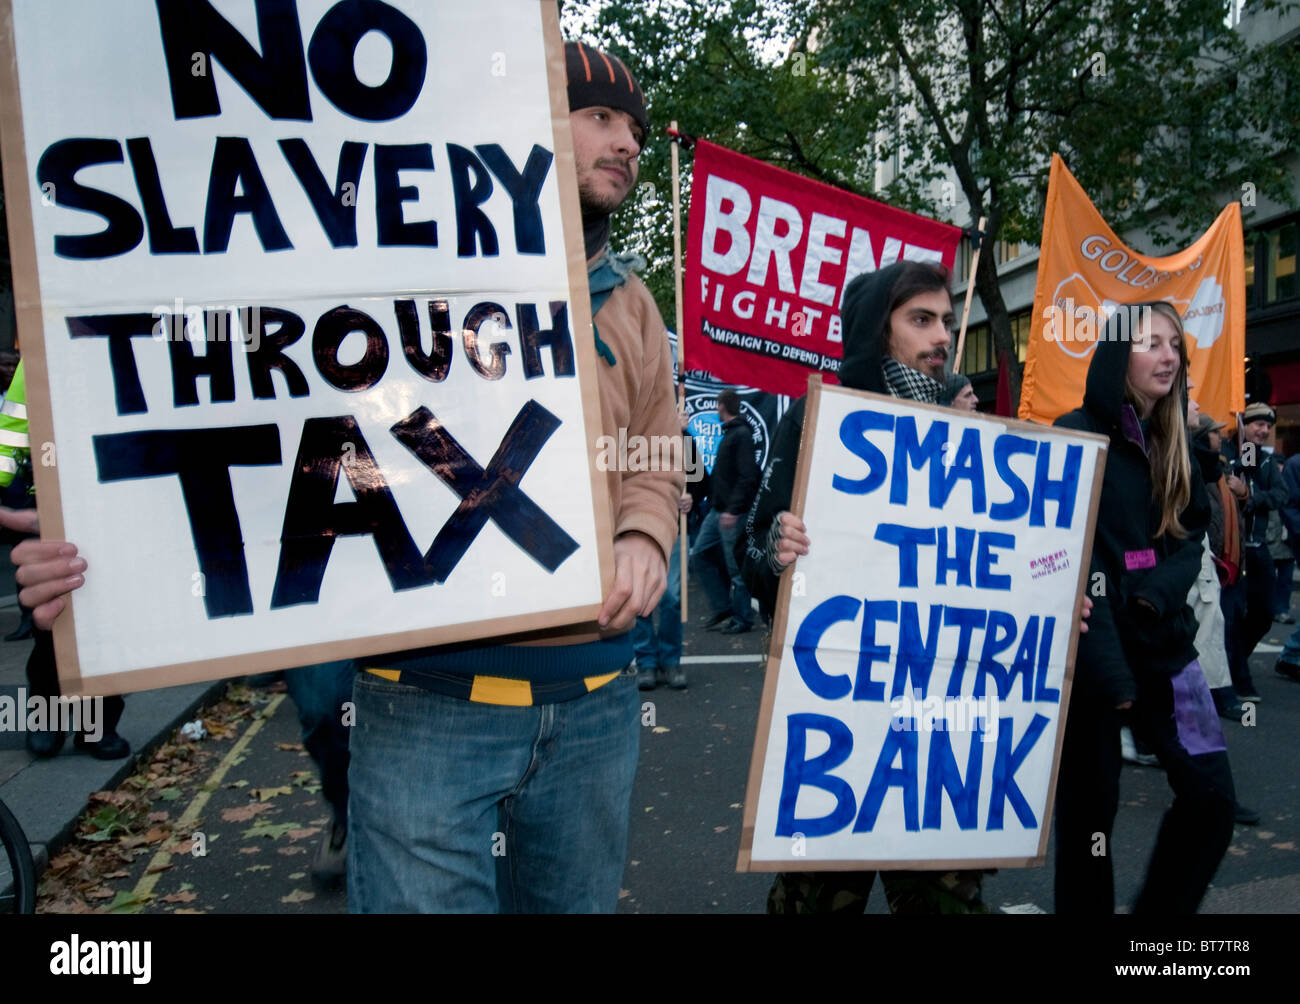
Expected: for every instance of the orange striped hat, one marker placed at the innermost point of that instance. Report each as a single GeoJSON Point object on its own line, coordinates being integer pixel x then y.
{"type": "Point", "coordinates": [599, 78]}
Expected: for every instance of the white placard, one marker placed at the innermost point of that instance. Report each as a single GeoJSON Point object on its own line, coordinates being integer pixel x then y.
{"type": "Point", "coordinates": [960, 541]}
{"type": "Point", "coordinates": [358, 206]}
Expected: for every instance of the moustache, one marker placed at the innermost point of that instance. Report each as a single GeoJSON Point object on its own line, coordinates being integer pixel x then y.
{"type": "Point", "coordinates": [625, 166]}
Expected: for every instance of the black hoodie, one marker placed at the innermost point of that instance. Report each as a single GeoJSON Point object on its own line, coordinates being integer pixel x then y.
{"type": "Point", "coordinates": [865, 312]}
{"type": "Point", "coordinates": [1125, 640]}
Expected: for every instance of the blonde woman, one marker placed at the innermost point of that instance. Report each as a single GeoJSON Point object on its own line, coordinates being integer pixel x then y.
{"type": "Point", "coordinates": [1137, 664]}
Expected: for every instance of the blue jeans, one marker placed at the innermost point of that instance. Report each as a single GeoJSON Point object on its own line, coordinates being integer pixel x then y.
{"type": "Point", "coordinates": [664, 647]}
{"type": "Point", "coordinates": [458, 807]}
{"type": "Point", "coordinates": [716, 584]}
{"type": "Point", "coordinates": [319, 691]}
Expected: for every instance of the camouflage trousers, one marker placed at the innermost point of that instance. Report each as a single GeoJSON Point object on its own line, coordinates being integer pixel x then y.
{"type": "Point", "coordinates": [906, 892]}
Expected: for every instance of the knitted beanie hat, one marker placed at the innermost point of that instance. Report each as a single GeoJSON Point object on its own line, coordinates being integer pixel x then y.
{"type": "Point", "coordinates": [953, 386]}
{"type": "Point", "coordinates": [1257, 411]}
{"type": "Point", "coordinates": [598, 78]}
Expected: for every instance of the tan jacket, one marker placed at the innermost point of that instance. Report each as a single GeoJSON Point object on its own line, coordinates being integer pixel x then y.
{"type": "Point", "coordinates": [636, 394]}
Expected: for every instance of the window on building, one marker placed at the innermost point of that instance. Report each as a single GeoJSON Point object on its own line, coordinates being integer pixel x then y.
{"type": "Point", "coordinates": [1020, 326]}
{"type": "Point", "coordinates": [975, 356]}
{"type": "Point", "coordinates": [1280, 261]}
{"type": "Point", "coordinates": [961, 264]}
{"type": "Point", "coordinates": [1250, 274]}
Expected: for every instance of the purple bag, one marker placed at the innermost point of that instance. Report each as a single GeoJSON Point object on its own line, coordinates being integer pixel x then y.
{"type": "Point", "coordinates": [1194, 712]}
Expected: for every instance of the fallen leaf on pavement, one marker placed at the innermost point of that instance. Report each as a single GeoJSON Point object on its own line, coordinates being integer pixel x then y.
{"type": "Point", "coordinates": [128, 902]}
{"type": "Point", "coordinates": [298, 896]}
{"type": "Point", "coordinates": [180, 897]}
{"type": "Point", "coordinates": [243, 813]}
{"type": "Point", "coordinates": [273, 831]}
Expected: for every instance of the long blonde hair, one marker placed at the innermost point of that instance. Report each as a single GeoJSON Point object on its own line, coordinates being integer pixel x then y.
{"type": "Point", "coordinates": [1171, 469]}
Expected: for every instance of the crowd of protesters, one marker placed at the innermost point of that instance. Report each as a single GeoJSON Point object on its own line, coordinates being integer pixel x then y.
{"type": "Point", "coordinates": [434, 767]}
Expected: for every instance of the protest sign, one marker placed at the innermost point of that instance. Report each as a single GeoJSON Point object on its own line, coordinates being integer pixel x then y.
{"type": "Point", "coordinates": [768, 255]}
{"type": "Point", "coordinates": [306, 329]}
{"type": "Point", "coordinates": [922, 650]}
{"type": "Point", "coordinates": [1085, 271]}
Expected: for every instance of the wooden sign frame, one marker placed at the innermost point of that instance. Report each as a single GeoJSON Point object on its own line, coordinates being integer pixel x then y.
{"type": "Point", "coordinates": [29, 309]}
{"type": "Point", "coordinates": [745, 861]}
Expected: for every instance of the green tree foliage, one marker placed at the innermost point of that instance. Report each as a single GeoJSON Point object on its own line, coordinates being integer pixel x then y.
{"type": "Point", "coordinates": [1163, 111]}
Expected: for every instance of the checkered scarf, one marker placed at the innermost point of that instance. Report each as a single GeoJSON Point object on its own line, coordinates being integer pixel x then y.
{"type": "Point", "coordinates": [903, 381]}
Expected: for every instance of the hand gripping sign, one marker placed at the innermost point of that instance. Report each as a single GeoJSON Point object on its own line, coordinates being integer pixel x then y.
{"type": "Point", "coordinates": [303, 305]}
{"type": "Point", "coordinates": [922, 651]}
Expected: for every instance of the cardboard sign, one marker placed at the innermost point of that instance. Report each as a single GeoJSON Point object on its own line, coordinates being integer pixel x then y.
{"type": "Point", "coordinates": [1085, 271]}
{"type": "Point", "coordinates": [768, 256]}
{"type": "Point", "coordinates": [923, 649]}
{"type": "Point", "coordinates": [306, 327]}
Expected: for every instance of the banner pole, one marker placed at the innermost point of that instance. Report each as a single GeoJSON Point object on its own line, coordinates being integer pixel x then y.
{"type": "Point", "coordinates": [683, 567]}
{"type": "Point", "coordinates": [978, 240]}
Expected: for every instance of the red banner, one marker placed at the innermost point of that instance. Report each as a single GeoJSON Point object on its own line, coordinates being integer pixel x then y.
{"type": "Point", "coordinates": [768, 256]}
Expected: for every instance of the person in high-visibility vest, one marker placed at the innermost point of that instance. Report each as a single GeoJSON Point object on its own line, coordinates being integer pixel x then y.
{"type": "Point", "coordinates": [15, 449]}
{"type": "Point", "coordinates": [16, 480]}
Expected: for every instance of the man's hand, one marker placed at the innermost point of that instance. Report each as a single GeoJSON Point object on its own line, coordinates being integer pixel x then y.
{"type": "Point", "coordinates": [640, 578]}
{"type": "Point", "coordinates": [793, 540]}
{"type": "Point", "coordinates": [1085, 611]}
{"type": "Point", "coordinates": [47, 570]}
{"type": "Point", "coordinates": [727, 520]}
{"type": "Point", "coordinates": [19, 520]}
{"type": "Point", "coordinates": [1237, 486]}
{"type": "Point", "coordinates": [685, 502]}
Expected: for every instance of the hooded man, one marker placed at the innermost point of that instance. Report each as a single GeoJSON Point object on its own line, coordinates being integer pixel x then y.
{"type": "Point", "coordinates": [897, 330]}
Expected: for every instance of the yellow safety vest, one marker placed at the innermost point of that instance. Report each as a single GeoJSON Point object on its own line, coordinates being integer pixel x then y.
{"type": "Point", "coordinates": [14, 444]}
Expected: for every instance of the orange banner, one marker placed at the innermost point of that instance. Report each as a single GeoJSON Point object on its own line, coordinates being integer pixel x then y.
{"type": "Point", "coordinates": [1085, 271]}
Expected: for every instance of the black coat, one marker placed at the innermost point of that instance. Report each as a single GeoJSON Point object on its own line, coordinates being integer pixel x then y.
{"type": "Point", "coordinates": [1125, 641]}
{"type": "Point", "coordinates": [735, 471]}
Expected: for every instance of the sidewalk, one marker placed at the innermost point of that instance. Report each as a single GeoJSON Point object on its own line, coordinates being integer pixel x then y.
{"type": "Point", "coordinates": [47, 796]}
